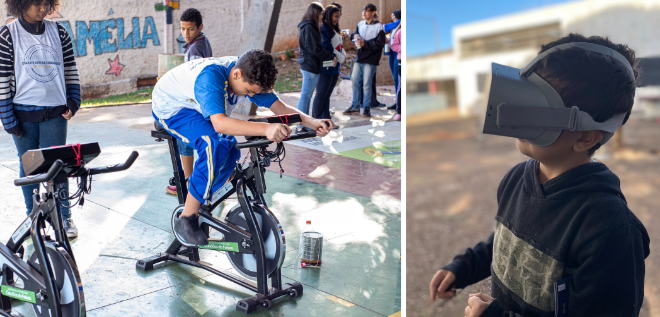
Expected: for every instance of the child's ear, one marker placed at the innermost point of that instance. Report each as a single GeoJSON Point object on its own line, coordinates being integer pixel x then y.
{"type": "Point", "coordinates": [238, 74]}
{"type": "Point", "coordinates": [587, 140]}
{"type": "Point", "coordinates": [201, 26]}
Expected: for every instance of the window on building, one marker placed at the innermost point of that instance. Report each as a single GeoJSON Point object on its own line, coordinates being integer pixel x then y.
{"type": "Point", "coordinates": [532, 37]}
{"type": "Point", "coordinates": [649, 72]}
{"type": "Point", "coordinates": [417, 87]}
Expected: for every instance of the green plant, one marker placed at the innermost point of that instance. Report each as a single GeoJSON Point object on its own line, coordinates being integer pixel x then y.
{"type": "Point", "coordinates": [289, 54]}
{"type": "Point", "coordinates": [141, 95]}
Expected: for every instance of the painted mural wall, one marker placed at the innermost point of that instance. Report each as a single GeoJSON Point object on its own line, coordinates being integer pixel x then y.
{"type": "Point", "coordinates": [118, 42]}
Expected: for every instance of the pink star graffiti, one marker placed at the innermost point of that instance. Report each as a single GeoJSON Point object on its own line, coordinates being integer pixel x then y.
{"type": "Point", "coordinates": [115, 67]}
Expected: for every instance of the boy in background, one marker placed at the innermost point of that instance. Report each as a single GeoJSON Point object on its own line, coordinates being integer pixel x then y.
{"type": "Point", "coordinates": [197, 45]}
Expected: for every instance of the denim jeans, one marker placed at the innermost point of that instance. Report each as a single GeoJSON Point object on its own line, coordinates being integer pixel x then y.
{"type": "Point", "coordinates": [321, 106]}
{"type": "Point", "coordinates": [184, 149]}
{"type": "Point", "coordinates": [41, 135]}
{"type": "Point", "coordinates": [362, 78]}
{"type": "Point", "coordinates": [395, 69]}
{"type": "Point", "coordinates": [398, 91]}
{"type": "Point", "coordinates": [310, 80]}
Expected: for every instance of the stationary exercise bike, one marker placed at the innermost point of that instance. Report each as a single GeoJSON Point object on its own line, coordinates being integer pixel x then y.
{"type": "Point", "coordinates": [253, 238]}
{"type": "Point", "coordinates": [49, 278]}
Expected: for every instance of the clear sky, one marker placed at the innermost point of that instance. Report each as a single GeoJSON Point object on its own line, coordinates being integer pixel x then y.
{"type": "Point", "coordinates": [426, 15]}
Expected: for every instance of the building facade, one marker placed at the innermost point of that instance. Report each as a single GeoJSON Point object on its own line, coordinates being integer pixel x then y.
{"type": "Point", "coordinates": [459, 78]}
{"type": "Point", "coordinates": [116, 43]}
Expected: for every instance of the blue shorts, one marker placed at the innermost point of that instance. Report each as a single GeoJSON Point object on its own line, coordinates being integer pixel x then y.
{"type": "Point", "coordinates": [217, 153]}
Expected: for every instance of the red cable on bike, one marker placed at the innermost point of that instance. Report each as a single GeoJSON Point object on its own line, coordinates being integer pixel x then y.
{"type": "Point", "coordinates": [286, 116]}
{"type": "Point", "coordinates": [77, 153]}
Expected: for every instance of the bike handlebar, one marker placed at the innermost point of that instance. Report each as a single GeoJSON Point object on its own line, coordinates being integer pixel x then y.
{"type": "Point", "coordinates": [58, 165]}
{"type": "Point", "coordinates": [116, 167]}
{"type": "Point", "coordinates": [264, 142]}
{"type": "Point", "coordinates": [41, 178]}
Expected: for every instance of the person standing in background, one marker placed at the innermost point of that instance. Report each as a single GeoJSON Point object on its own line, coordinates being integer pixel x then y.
{"type": "Point", "coordinates": [197, 46]}
{"type": "Point", "coordinates": [370, 39]}
{"type": "Point", "coordinates": [332, 42]}
{"type": "Point", "coordinates": [374, 95]}
{"type": "Point", "coordinates": [40, 86]}
{"type": "Point", "coordinates": [312, 56]}
{"type": "Point", "coordinates": [391, 28]}
{"type": "Point", "coordinates": [339, 7]}
{"type": "Point", "coordinates": [396, 48]}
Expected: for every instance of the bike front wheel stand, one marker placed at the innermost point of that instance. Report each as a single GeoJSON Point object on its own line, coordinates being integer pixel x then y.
{"type": "Point", "coordinates": [251, 304]}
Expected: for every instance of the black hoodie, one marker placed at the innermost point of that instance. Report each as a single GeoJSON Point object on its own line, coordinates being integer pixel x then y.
{"type": "Point", "coordinates": [576, 226]}
{"type": "Point", "coordinates": [312, 54]}
{"type": "Point", "coordinates": [374, 40]}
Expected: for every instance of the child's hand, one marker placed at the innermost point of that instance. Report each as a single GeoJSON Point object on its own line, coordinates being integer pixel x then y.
{"type": "Point", "coordinates": [477, 304]}
{"type": "Point", "coordinates": [277, 132]}
{"type": "Point", "coordinates": [68, 114]}
{"type": "Point", "coordinates": [439, 284]}
{"type": "Point", "coordinates": [322, 126]}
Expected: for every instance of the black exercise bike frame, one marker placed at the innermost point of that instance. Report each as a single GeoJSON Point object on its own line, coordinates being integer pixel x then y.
{"type": "Point", "coordinates": [250, 177]}
{"type": "Point", "coordinates": [45, 208]}
{"type": "Point", "coordinates": [43, 285]}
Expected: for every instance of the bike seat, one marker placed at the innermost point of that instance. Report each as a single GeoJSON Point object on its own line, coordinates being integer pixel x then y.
{"type": "Point", "coordinates": [159, 127]}
{"type": "Point", "coordinates": [160, 132]}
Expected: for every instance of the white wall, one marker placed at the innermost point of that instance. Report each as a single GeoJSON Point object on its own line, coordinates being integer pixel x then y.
{"type": "Point", "coordinates": [438, 66]}
{"type": "Point", "coordinates": [223, 22]}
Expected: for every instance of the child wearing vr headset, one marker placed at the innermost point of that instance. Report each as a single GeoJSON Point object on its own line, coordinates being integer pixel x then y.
{"type": "Point", "coordinates": [565, 241]}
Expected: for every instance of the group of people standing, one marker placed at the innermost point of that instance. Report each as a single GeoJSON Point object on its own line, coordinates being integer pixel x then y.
{"type": "Point", "coordinates": [322, 53]}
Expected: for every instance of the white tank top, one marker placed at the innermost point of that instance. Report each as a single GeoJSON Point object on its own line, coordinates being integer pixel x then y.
{"type": "Point", "coordinates": [38, 66]}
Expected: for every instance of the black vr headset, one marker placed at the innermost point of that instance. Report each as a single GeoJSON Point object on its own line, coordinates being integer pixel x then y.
{"type": "Point", "coordinates": [523, 105]}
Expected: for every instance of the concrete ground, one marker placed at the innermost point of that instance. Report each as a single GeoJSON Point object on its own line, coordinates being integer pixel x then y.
{"type": "Point", "coordinates": [451, 199]}
{"type": "Point", "coordinates": [356, 204]}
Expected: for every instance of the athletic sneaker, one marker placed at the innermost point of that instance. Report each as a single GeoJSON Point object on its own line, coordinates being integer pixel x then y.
{"type": "Point", "coordinates": [397, 117]}
{"type": "Point", "coordinates": [378, 105]}
{"type": "Point", "coordinates": [70, 228]}
{"type": "Point", "coordinates": [188, 229]}
{"type": "Point", "coordinates": [172, 189]}
{"type": "Point", "coordinates": [351, 110]}
{"type": "Point", "coordinates": [366, 112]}
{"type": "Point", "coordinates": [392, 107]}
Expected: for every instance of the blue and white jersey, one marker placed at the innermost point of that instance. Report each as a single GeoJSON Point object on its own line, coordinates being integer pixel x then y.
{"type": "Point", "coordinates": [201, 85]}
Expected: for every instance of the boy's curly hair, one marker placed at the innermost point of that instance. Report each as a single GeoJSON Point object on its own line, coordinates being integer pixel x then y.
{"type": "Point", "coordinates": [192, 15]}
{"type": "Point", "coordinates": [18, 7]}
{"type": "Point", "coordinates": [258, 68]}
{"type": "Point", "coordinates": [597, 84]}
